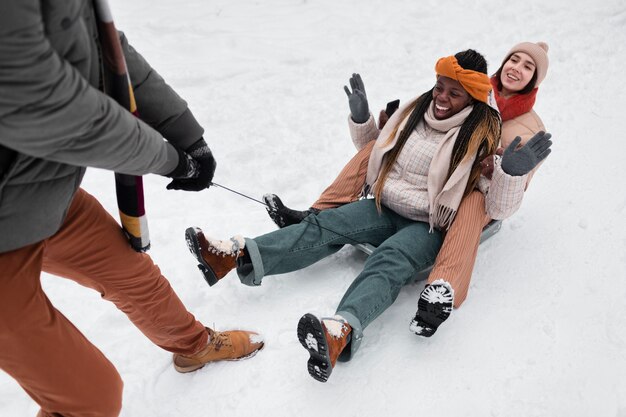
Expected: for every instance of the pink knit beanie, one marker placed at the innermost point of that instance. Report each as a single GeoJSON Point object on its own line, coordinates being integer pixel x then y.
{"type": "Point", "coordinates": [538, 52]}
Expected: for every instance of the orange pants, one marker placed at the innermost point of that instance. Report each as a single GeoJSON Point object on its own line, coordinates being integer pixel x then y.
{"type": "Point", "coordinates": [457, 256]}
{"type": "Point", "coordinates": [39, 347]}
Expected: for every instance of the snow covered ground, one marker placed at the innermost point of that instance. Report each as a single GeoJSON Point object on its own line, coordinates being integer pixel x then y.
{"type": "Point", "coordinates": [543, 332]}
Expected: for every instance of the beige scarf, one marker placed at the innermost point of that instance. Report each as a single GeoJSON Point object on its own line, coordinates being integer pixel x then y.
{"type": "Point", "coordinates": [444, 196]}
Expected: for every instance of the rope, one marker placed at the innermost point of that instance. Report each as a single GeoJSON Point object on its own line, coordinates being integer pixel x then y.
{"type": "Point", "coordinates": [270, 208]}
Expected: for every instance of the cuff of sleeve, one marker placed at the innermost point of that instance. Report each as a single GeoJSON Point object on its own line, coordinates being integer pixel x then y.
{"type": "Point", "coordinates": [184, 131]}
{"type": "Point", "coordinates": [505, 193]}
{"type": "Point", "coordinates": [171, 163]}
{"type": "Point", "coordinates": [363, 133]}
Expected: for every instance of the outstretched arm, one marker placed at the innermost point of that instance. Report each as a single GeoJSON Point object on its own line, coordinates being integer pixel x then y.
{"type": "Point", "coordinates": [159, 105]}
{"type": "Point", "coordinates": [163, 109]}
{"type": "Point", "coordinates": [48, 109]}
{"type": "Point", "coordinates": [510, 174]}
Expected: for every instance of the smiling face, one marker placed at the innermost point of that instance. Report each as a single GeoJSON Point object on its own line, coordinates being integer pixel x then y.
{"type": "Point", "coordinates": [516, 73]}
{"type": "Point", "coordinates": [449, 98]}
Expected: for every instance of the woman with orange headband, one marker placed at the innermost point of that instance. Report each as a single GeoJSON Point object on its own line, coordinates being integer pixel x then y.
{"type": "Point", "coordinates": [515, 85]}
{"type": "Point", "coordinates": [424, 161]}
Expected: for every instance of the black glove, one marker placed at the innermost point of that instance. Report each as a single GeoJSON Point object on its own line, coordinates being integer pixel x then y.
{"type": "Point", "coordinates": [200, 155]}
{"type": "Point", "coordinates": [357, 99]}
{"type": "Point", "coordinates": [518, 162]}
{"type": "Point", "coordinates": [187, 167]}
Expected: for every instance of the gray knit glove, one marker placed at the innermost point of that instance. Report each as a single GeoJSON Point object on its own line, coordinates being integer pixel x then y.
{"type": "Point", "coordinates": [357, 99]}
{"type": "Point", "coordinates": [518, 162]}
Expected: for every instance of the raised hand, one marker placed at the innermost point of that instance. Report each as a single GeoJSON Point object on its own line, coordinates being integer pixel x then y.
{"type": "Point", "coordinates": [357, 99]}
{"type": "Point", "coordinates": [518, 162]}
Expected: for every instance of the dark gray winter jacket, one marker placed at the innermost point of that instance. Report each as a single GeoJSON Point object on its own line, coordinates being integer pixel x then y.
{"type": "Point", "coordinates": [54, 121]}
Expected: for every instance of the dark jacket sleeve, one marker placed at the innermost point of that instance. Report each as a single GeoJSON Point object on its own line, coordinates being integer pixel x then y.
{"type": "Point", "coordinates": [157, 103]}
{"type": "Point", "coordinates": [48, 109]}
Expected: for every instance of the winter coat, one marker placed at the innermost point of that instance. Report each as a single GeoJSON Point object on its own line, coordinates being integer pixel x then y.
{"type": "Point", "coordinates": [504, 192]}
{"type": "Point", "coordinates": [54, 121]}
{"type": "Point", "coordinates": [525, 126]}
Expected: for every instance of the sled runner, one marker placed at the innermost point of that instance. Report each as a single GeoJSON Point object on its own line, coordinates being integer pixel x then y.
{"type": "Point", "coordinates": [491, 229]}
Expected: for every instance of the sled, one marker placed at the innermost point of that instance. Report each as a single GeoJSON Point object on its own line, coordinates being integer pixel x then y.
{"type": "Point", "coordinates": [491, 229]}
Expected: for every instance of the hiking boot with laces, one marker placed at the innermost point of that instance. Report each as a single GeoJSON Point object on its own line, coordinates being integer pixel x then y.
{"type": "Point", "coordinates": [284, 216]}
{"type": "Point", "coordinates": [216, 258]}
{"type": "Point", "coordinates": [232, 345]}
{"type": "Point", "coordinates": [324, 340]}
{"type": "Point", "coordinates": [433, 308]}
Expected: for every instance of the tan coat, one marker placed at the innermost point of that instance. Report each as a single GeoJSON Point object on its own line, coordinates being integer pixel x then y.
{"type": "Point", "coordinates": [524, 126]}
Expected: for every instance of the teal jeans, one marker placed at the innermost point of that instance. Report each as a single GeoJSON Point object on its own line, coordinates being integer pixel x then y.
{"type": "Point", "coordinates": [404, 247]}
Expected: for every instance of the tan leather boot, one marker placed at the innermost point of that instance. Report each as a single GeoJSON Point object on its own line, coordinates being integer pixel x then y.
{"type": "Point", "coordinates": [216, 258]}
{"type": "Point", "coordinates": [231, 345]}
{"type": "Point", "coordinates": [324, 340]}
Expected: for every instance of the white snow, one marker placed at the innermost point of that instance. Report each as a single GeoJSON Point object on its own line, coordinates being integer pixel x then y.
{"type": "Point", "coordinates": [256, 338]}
{"type": "Point", "coordinates": [226, 247]}
{"type": "Point", "coordinates": [543, 331]}
{"type": "Point", "coordinates": [311, 341]}
{"type": "Point", "coordinates": [335, 326]}
{"type": "Point", "coordinates": [439, 292]}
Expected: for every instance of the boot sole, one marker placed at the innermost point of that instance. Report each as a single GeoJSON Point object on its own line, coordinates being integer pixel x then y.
{"type": "Point", "coordinates": [194, 247]}
{"type": "Point", "coordinates": [191, 368]}
{"type": "Point", "coordinates": [311, 337]}
{"type": "Point", "coordinates": [430, 317]}
{"type": "Point", "coordinates": [421, 329]}
{"type": "Point", "coordinates": [272, 210]}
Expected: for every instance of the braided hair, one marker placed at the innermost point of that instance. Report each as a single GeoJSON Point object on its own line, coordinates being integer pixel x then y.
{"type": "Point", "coordinates": [478, 136]}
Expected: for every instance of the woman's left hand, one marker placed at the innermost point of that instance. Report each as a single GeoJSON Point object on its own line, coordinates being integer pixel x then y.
{"type": "Point", "coordinates": [518, 162]}
{"type": "Point", "coordinates": [357, 99]}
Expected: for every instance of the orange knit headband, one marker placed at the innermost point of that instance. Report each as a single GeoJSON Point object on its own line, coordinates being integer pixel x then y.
{"type": "Point", "coordinates": [475, 83]}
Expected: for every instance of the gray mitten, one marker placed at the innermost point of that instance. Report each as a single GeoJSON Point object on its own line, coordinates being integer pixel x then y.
{"type": "Point", "coordinates": [518, 162]}
{"type": "Point", "coordinates": [359, 109]}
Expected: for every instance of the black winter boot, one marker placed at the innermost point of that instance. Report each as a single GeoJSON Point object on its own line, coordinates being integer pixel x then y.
{"type": "Point", "coordinates": [433, 308]}
{"type": "Point", "coordinates": [284, 216]}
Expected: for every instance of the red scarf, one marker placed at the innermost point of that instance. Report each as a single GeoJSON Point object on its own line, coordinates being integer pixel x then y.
{"type": "Point", "coordinates": [513, 106]}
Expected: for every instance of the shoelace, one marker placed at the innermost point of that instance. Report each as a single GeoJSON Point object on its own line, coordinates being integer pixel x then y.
{"type": "Point", "coordinates": [219, 248]}
{"type": "Point", "coordinates": [217, 338]}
